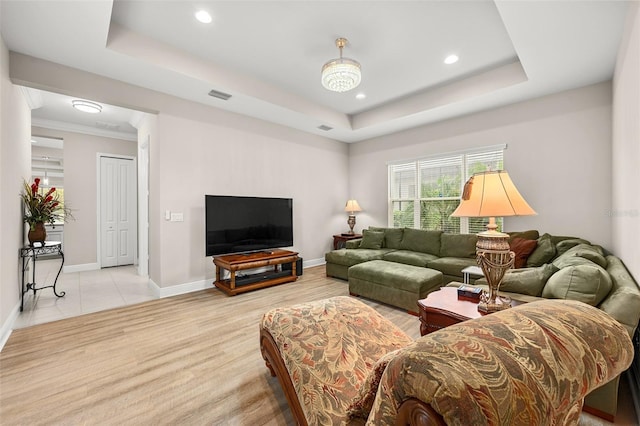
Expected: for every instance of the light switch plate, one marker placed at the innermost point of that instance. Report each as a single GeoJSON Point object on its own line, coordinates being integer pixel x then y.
{"type": "Point", "coordinates": [177, 217]}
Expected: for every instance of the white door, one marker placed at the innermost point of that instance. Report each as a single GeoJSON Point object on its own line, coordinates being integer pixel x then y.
{"type": "Point", "coordinates": [117, 211]}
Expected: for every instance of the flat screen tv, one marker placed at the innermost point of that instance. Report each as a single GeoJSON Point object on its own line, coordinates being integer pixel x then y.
{"type": "Point", "coordinates": [247, 224]}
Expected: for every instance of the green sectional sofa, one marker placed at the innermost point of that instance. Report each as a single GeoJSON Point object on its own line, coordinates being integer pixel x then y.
{"type": "Point", "coordinates": [558, 267]}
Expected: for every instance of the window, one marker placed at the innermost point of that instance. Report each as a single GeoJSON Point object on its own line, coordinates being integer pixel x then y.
{"type": "Point", "coordinates": [423, 193]}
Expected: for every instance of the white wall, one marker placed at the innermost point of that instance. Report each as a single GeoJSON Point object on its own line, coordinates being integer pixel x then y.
{"type": "Point", "coordinates": [625, 214]}
{"type": "Point", "coordinates": [198, 149]}
{"type": "Point", "coordinates": [80, 183]}
{"type": "Point", "coordinates": [15, 165]}
{"type": "Point", "coordinates": [558, 155]}
{"type": "Point", "coordinates": [211, 158]}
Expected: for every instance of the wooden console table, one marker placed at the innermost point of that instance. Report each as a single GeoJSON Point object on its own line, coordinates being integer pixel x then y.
{"type": "Point", "coordinates": [240, 283]}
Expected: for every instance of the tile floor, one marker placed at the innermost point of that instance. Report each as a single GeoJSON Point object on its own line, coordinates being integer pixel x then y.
{"type": "Point", "coordinates": [86, 292]}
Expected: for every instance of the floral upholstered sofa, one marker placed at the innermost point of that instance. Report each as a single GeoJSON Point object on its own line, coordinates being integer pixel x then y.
{"type": "Point", "coordinates": [340, 362]}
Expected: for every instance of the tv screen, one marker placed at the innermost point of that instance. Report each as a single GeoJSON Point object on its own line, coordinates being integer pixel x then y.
{"type": "Point", "coordinates": [247, 224]}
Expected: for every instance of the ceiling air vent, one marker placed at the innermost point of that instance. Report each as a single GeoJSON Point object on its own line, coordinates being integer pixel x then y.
{"type": "Point", "coordinates": [325, 128]}
{"type": "Point", "coordinates": [219, 95]}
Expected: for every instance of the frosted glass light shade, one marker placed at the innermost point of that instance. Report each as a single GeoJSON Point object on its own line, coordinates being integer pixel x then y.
{"type": "Point", "coordinates": [341, 75]}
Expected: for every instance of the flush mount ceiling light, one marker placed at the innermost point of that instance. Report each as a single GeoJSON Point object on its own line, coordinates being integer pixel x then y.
{"type": "Point", "coordinates": [86, 106]}
{"type": "Point", "coordinates": [341, 74]}
{"type": "Point", "coordinates": [203, 16]}
{"type": "Point", "coordinates": [451, 59]}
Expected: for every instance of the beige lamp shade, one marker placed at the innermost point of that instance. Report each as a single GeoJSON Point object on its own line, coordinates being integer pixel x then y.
{"type": "Point", "coordinates": [352, 206]}
{"type": "Point", "coordinates": [491, 194]}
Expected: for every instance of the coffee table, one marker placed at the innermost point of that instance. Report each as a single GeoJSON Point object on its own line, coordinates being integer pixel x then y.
{"type": "Point", "coordinates": [443, 308]}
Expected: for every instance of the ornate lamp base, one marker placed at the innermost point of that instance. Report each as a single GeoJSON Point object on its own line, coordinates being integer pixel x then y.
{"type": "Point", "coordinates": [494, 258]}
{"type": "Point", "coordinates": [352, 222]}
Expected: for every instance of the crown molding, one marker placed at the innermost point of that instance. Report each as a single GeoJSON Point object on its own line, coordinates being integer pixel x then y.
{"type": "Point", "coordinates": [87, 130]}
{"type": "Point", "coordinates": [32, 96]}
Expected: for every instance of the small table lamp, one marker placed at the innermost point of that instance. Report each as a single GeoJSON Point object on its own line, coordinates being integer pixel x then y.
{"type": "Point", "coordinates": [490, 194]}
{"type": "Point", "coordinates": [352, 206]}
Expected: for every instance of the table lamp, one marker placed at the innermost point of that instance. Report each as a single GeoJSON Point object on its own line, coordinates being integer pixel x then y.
{"type": "Point", "coordinates": [490, 194]}
{"type": "Point", "coordinates": [352, 206]}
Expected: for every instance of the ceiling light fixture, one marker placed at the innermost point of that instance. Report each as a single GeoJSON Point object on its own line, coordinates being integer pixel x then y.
{"type": "Point", "coordinates": [361, 96]}
{"type": "Point", "coordinates": [341, 74]}
{"type": "Point", "coordinates": [86, 106]}
{"type": "Point", "coordinates": [451, 59]}
{"type": "Point", "coordinates": [203, 16]}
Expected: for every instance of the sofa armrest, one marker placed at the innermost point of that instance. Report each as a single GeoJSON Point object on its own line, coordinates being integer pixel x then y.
{"type": "Point", "coordinates": [526, 365]}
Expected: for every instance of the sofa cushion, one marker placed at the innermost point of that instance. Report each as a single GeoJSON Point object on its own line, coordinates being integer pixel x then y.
{"type": "Point", "coordinates": [372, 239]}
{"type": "Point", "coordinates": [392, 236]}
{"type": "Point", "coordinates": [586, 251]}
{"type": "Point", "coordinates": [544, 252]}
{"type": "Point", "coordinates": [409, 257]}
{"type": "Point", "coordinates": [586, 283]}
{"type": "Point", "coordinates": [421, 240]}
{"type": "Point", "coordinates": [451, 265]}
{"type": "Point", "coordinates": [458, 245]}
{"type": "Point", "coordinates": [565, 245]}
{"type": "Point", "coordinates": [522, 249]}
{"type": "Point", "coordinates": [566, 261]}
{"type": "Point", "coordinates": [529, 281]}
{"type": "Point", "coordinates": [350, 257]}
{"type": "Point", "coordinates": [525, 235]}
{"type": "Point", "coordinates": [623, 302]}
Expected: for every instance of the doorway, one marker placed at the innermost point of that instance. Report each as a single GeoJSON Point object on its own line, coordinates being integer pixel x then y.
{"type": "Point", "coordinates": [117, 230]}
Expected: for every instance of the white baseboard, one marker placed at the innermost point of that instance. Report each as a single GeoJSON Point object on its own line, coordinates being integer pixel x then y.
{"type": "Point", "coordinates": [81, 268]}
{"type": "Point", "coordinates": [175, 290]}
{"type": "Point", "coordinates": [7, 327]}
{"type": "Point", "coordinates": [313, 262]}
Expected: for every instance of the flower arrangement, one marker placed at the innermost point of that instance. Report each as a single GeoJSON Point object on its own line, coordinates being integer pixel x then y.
{"type": "Point", "coordinates": [42, 207]}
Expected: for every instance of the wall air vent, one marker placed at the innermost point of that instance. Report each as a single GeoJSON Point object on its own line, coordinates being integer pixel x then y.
{"type": "Point", "coordinates": [219, 95]}
{"type": "Point", "coordinates": [325, 128]}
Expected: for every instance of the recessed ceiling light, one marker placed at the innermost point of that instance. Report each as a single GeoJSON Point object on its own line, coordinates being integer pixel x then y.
{"type": "Point", "coordinates": [203, 16]}
{"type": "Point", "coordinates": [451, 59]}
{"type": "Point", "coordinates": [86, 106]}
{"type": "Point", "coordinates": [361, 96]}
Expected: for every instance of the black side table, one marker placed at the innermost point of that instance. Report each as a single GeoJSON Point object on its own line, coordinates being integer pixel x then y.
{"type": "Point", "coordinates": [31, 253]}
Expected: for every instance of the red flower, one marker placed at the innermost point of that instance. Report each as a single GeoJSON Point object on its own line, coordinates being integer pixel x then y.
{"type": "Point", "coordinates": [37, 181]}
{"type": "Point", "coordinates": [49, 198]}
{"type": "Point", "coordinates": [51, 191]}
{"type": "Point", "coordinates": [34, 188]}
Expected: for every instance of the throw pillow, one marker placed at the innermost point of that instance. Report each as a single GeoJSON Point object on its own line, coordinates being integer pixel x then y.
{"type": "Point", "coordinates": [522, 249]}
{"type": "Point", "coordinates": [527, 235]}
{"type": "Point", "coordinates": [392, 236]}
{"type": "Point", "coordinates": [362, 404]}
{"type": "Point", "coordinates": [543, 253]}
{"type": "Point", "coordinates": [371, 239]}
{"type": "Point", "coordinates": [586, 251]}
{"type": "Point", "coordinates": [529, 281]}
{"type": "Point", "coordinates": [565, 245]}
{"type": "Point", "coordinates": [585, 283]}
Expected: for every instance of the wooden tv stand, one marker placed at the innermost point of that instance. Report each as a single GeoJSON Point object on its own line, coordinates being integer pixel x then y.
{"type": "Point", "coordinates": [238, 283]}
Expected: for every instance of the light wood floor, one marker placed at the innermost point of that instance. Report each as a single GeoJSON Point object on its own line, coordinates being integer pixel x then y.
{"type": "Point", "coordinates": [189, 359]}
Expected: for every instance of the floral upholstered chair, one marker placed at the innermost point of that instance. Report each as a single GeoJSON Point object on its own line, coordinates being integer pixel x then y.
{"type": "Point", "coordinates": [340, 362]}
